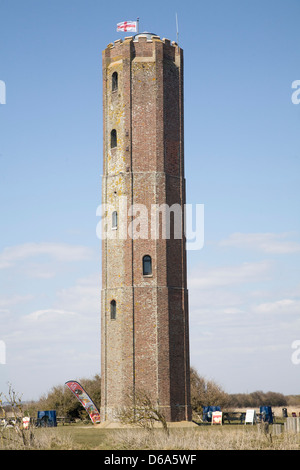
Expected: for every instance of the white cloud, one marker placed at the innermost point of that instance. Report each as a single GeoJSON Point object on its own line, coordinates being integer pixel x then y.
{"type": "Point", "coordinates": [282, 307]}
{"type": "Point", "coordinates": [232, 311]}
{"type": "Point", "coordinates": [61, 333]}
{"type": "Point", "coordinates": [57, 339]}
{"type": "Point", "coordinates": [84, 297]}
{"type": "Point", "coordinates": [14, 300]}
{"type": "Point", "coordinates": [272, 243]}
{"type": "Point", "coordinates": [204, 278]}
{"type": "Point", "coordinates": [48, 315]}
{"type": "Point", "coordinates": [4, 312]}
{"type": "Point", "coordinates": [58, 251]}
{"type": "Point", "coordinates": [240, 311]}
{"type": "Point", "coordinates": [77, 308]}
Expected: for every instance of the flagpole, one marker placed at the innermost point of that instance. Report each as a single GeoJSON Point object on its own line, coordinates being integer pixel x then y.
{"type": "Point", "coordinates": [138, 25]}
{"type": "Point", "coordinates": [177, 33]}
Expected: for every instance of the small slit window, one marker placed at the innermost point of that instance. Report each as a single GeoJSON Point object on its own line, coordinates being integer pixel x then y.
{"type": "Point", "coordinates": [147, 265]}
{"type": "Point", "coordinates": [113, 310]}
{"type": "Point", "coordinates": [115, 219]}
{"type": "Point", "coordinates": [114, 81]}
{"type": "Point", "coordinates": [113, 138]}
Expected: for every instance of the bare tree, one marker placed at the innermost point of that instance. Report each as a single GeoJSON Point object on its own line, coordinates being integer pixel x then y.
{"type": "Point", "coordinates": [19, 437]}
{"type": "Point", "coordinates": [141, 411]}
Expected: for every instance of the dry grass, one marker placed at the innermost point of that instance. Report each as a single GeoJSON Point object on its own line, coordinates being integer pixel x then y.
{"type": "Point", "coordinates": [206, 438]}
{"type": "Point", "coordinates": [227, 437]}
{"type": "Point", "coordinates": [290, 409]}
{"type": "Point", "coordinates": [35, 439]}
{"type": "Point", "coordinates": [277, 410]}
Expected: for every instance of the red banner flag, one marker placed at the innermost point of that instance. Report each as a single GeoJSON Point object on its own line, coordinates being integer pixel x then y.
{"type": "Point", "coordinates": [85, 400]}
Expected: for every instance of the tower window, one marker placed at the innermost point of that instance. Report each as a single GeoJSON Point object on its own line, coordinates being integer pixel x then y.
{"type": "Point", "coordinates": [147, 265]}
{"type": "Point", "coordinates": [114, 219]}
{"type": "Point", "coordinates": [114, 82]}
{"type": "Point", "coordinates": [113, 138]}
{"type": "Point", "coordinates": [113, 310]}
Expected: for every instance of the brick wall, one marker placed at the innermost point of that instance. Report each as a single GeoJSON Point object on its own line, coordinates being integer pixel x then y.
{"type": "Point", "coordinates": [147, 346]}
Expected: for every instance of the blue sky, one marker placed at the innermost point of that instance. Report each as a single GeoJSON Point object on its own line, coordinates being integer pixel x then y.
{"type": "Point", "coordinates": [242, 162]}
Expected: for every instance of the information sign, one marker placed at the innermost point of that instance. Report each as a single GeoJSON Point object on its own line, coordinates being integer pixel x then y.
{"type": "Point", "coordinates": [250, 416]}
{"type": "Point", "coordinates": [216, 417]}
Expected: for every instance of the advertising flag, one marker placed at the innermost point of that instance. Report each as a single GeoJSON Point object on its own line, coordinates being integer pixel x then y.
{"type": "Point", "coordinates": [127, 26]}
{"type": "Point", "coordinates": [84, 399]}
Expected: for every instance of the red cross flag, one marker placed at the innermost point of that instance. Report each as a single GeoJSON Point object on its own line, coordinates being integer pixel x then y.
{"type": "Point", "coordinates": [127, 26]}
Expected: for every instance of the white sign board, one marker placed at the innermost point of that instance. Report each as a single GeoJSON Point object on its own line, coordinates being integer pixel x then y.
{"type": "Point", "coordinates": [250, 416]}
{"type": "Point", "coordinates": [26, 422]}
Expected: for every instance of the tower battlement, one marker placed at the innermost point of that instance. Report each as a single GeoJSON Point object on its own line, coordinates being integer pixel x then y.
{"type": "Point", "coordinates": [143, 45]}
{"type": "Point", "coordinates": [143, 37]}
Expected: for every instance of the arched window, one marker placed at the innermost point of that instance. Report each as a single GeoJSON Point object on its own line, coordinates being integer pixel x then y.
{"type": "Point", "coordinates": [114, 219]}
{"type": "Point", "coordinates": [113, 138]}
{"type": "Point", "coordinates": [113, 310]}
{"type": "Point", "coordinates": [114, 81]}
{"type": "Point", "coordinates": [147, 265]}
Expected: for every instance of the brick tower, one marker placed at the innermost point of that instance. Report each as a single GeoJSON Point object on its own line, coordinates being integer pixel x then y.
{"type": "Point", "coordinates": [144, 326]}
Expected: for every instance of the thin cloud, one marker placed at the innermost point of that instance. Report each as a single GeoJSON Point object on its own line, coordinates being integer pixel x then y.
{"type": "Point", "coordinates": [48, 314]}
{"type": "Point", "coordinates": [281, 307]}
{"type": "Point", "coordinates": [228, 275]}
{"type": "Point", "coordinates": [272, 243]}
{"type": "Point", "coordinates": [58, 251]}
{"type": "Point", "coordinates": [14, 300]}
{"type": "Point", "coordinates": [84, 297]}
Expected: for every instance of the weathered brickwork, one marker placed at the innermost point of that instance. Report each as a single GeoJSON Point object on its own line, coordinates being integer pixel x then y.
{"type": "Point", "coordinates": [146, 346]}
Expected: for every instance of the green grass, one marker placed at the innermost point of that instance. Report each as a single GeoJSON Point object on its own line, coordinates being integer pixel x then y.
{"type": "Point", "coordinates": [87, 437]}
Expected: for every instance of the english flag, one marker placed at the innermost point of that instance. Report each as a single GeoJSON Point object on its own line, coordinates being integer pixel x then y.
{"type": "Point", "coordinates": [127, 26]}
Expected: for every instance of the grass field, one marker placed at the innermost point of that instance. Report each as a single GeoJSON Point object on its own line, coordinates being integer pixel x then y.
{"type": "Point", "coordinates": [226, 437]}
{"type": "Point", "coordinates": [180, 437]}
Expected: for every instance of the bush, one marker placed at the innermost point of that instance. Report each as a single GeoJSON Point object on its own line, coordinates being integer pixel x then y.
{"type": "Point", "coordinates": [206, 393]}
{"type": "Point", "coordinates": [257, 399]}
